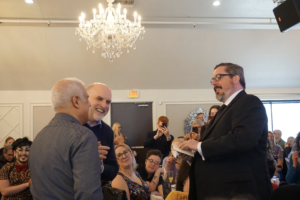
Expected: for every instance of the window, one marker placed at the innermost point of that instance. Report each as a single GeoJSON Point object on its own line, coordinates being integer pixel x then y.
{"type": "Point", "coordinates": [283, 115]}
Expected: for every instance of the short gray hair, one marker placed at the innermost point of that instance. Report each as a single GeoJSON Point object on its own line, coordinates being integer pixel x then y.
{"type": "Point", "coordinates": [279, 131]}
{"type": "Point", "coordinates": [90, 86]}
{"type": "Point", "coordinates": [63, 93]}
{"type": "Point", "coordinates": [198, 121]}
{"type": "Point", "coordinates": [7, 148]}
{"type": "Point", "coordinates": [234, 69]}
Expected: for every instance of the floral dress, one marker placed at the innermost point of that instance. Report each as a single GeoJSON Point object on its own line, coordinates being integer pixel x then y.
{"type": "Point", "coordinates": [137, 191]}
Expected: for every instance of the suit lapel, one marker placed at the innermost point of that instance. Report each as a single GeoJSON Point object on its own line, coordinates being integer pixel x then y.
{"type": "Point", "coordinates": [219, 115]}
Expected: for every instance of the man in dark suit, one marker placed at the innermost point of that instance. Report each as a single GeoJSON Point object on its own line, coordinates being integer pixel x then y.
{"type": "Point", "coordinates": [230, 159]}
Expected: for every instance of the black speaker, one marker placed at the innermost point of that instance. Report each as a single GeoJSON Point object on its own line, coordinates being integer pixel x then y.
{"type": "Point", "coordinates": [287, 14]}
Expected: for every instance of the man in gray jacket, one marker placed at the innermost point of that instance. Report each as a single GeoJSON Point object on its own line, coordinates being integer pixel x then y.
{"type": "Point", "coordinates": [64, 160]}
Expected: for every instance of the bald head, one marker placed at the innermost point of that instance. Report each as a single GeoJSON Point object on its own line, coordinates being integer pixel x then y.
{"type": "Point", "coordinates": [64, 90]}
{"type": "Point", "coordinates": [100, 99]}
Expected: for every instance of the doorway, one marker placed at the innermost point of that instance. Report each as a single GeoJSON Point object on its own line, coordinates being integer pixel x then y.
{"type": "Point", "coordinates": [136, 120]}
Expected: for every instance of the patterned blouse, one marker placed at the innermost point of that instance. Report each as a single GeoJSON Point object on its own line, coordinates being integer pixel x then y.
{"type": "Point", "coordinates": [275, 151]}
{"type": "Point", "coordinates": [9, 172]}
{"type": "Point", "coordinates": [137, 191]}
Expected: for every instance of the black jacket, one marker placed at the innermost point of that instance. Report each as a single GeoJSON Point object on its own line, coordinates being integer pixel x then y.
{"type": "Point", "coordinates": [234, 146]}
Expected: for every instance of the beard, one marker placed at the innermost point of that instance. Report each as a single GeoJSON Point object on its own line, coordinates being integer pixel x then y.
{"type": "Point", "coordinates": [221, 96]}
{"type": "Point", "coordinates": [97, 116]}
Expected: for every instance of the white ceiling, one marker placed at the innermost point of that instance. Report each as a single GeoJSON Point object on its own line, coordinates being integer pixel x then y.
{"type": "Point", "coordinates": [34, 56]}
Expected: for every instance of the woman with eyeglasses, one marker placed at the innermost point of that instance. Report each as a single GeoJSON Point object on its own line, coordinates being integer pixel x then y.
{"type": "Point", "coordinates": [151, 172]}
{"type": "Point", "coordinates": [127, 178]}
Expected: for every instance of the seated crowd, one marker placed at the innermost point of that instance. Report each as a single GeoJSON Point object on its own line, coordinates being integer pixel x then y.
{"type": "Point", "coordinates": [163, 175]}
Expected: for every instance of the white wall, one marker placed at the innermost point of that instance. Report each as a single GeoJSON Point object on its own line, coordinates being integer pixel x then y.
{"type": "Point", "coordinates": [26, 100]}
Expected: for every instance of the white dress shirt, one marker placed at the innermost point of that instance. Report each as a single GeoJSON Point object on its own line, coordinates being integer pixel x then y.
{"type": "Point", "coordinates": [227, 102]}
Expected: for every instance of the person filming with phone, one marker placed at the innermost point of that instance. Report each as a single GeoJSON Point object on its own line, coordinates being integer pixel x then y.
{"type": "Point", "coordinates": [161, 138]}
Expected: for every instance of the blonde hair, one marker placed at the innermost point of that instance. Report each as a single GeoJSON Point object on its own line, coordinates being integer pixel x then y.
{"type": "Point", "coordinates": [115, 129]}
{"type": "Point", "coordinates": [134, 165]}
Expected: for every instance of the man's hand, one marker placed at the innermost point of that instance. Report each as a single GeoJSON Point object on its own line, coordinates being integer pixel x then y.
{"type": "Point", "coordinates": [102, 150]}
{"type": "Point", "coordinates": [159, 133]}
{"type": "Point", "coordinates": [191, 144]}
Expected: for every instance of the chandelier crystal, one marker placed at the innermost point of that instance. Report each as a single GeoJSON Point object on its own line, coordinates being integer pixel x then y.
{"type": "Point", "coordinates": [110, 30]}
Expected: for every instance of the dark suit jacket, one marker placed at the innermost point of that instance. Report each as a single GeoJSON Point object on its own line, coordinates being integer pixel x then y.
{"type": "Point", "coordinates": [234, 146]}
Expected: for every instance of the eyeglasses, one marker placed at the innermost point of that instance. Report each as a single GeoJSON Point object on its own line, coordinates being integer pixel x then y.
{"type": "Point", "coordinates": [120, 155]}
{"type": "Point", "coordinates": [218, 77]}
{"type": "Point", "coordinates": [151, 161]}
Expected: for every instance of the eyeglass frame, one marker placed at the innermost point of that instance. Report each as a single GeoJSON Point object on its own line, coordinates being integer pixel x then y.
{"type": "Point", "coordinates": [152, 161]}
{"type": "Point", "coordinates": [218, 77]}
{"type": "Point", "coordinates": [120, 155]}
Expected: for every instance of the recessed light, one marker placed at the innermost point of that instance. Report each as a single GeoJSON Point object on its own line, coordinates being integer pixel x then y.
{"type": "Point", "coordinates": [29, 1]}
{"type": "Point", "coordinates": [216, 3]}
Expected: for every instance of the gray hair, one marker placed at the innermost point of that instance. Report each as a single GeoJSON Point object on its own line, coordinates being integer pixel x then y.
{"type": "Point", "coordinates": [234, 69]}
{"type": "Point", "coordinates": [7, 148]}
{"type": "Point", "coordinates": [63, 93]}
{"type": "Point", "coordinates": [279, 131]}
{"type": "Point", "coordinates": [198, 121]}
{"type": "Point", "coordinates": [90, 86]}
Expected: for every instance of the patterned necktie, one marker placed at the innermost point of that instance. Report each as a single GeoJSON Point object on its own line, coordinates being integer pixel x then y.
{"type": "Point", "coordinates": [21, 167]}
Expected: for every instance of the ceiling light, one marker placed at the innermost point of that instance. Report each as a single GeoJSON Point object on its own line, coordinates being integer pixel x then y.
{"type": "Point", "coordinates": [216, 3]}
{"type": "Point", "coordinates": [110, 30]}
{"type": "Point", "coordinates": [29, 1]}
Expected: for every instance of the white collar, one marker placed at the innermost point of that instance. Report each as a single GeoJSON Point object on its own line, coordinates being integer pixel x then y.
{"type": "Point", "coordinates": [98, 122]}
{"type": "Point", "coordinates": [227, 102]}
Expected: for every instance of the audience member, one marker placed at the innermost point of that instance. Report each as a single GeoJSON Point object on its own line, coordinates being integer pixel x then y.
{"type": "Point", "coordinates": [213, 111]}
{"type": "Point", "coordinates": [100, 99]}
{"type": "Point", "coordinates": [197, 123]}
{"type": "Point", "coordinates": [288, 146]}
{"type": "Point", "coordinates": [201, 117]}
{"type": "Point", "coordinates": [287, 149]}
{"type": "Point", "coordinates": [230, 158]}
{"type": "Point", "coordinates": [14, 176]}
{"type": "Point", "coordinates": [151, 173]}
{"type": "Point", "coordinates": [277, 154]}
{"type": "Point", "coordinates": [180, 137]}
{"type": "Point", "coordinates": [271, 163]}
{"type": "Point", "coordinates": [8, 155]}
{"type": "Point", "coordinates": [117, 130]}
{"type": "Point", "coordinates": [64, 158]}
{"type": "Point", "coordinates": [183, 181]}
{"type": "Point", "coordinates": [278, 140]}
{"type": "Point", "coordinates": [121, 140]}
{"type": "Point", "coordinates": [161, 138]}
{"type": "Point", "coordinates": [172, 162]}
{"type": "Point", "coordinates": [293, 174]}
{"type": "Point", "coordinates": [8, 141]}
{"type": "Point", "coordinates": [127, 178]}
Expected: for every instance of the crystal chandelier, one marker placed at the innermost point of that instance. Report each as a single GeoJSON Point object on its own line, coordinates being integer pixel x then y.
{"type": "Point", "coordinates": [110, 30]}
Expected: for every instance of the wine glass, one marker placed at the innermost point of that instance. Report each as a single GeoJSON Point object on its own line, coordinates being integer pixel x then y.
{"type": "Point", "coordinates": [170, 176]}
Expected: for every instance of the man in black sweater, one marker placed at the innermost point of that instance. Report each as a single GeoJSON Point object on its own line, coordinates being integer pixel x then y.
{"type": "Point", "coordinates": [161, 138]}
{"type": "Point", "coordinates": [100, 99]}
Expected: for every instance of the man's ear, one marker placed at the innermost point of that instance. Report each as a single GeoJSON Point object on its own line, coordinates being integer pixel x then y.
{"type": "Point", "coordinates": [75, 101]}
{"type": "Point", "coordinates": [236, 79]}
